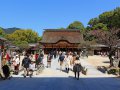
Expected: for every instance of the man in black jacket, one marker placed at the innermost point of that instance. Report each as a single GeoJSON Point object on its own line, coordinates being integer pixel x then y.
{"type": "Point", "coordinates": [25, 63]}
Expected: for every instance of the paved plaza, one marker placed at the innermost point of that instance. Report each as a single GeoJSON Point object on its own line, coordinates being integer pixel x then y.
{"type": "Point", "coordinates": [54, 79]}
{"type": "Point", "coordinates": [60, 83]}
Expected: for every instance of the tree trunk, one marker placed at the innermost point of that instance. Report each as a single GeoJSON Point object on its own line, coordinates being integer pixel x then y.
{"type": "Point", "coordinates": [111, 53]}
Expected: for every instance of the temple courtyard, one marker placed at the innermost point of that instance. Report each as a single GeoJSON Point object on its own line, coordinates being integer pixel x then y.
{"type": "Point", "coordinates": [54, 79]}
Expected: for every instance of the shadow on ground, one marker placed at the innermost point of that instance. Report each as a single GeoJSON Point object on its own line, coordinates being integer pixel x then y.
{"type": "Point", "coordinates": [60, 83]}
{"type": "Point", "coordinates": [106, 62]}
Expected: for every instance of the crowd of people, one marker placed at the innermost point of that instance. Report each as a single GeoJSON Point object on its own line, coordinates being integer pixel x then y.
{"type": "Point", "coordinates": [30, 62]}
{"type": "Point", "coordinates": [12, 63]}
{"type": "Point", "coordinates": [71, 61]}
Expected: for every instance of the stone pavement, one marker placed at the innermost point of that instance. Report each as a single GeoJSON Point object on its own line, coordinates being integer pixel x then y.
{"type": "Point", "coordinates": [54, 79]}
{"type": "Point", "coordinates": [55, 72]}
{"type": "Point", "coordinates": [60, 83]}
{"type": "Point", "coordinates": [91, 70]}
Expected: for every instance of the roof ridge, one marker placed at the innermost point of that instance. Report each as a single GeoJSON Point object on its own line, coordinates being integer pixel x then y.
{"type": "Point", "coordinates": [60, 30]}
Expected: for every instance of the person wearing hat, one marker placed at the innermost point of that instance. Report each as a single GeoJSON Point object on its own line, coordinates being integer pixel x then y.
{"type": "Point", "coordinates": [77, 67]}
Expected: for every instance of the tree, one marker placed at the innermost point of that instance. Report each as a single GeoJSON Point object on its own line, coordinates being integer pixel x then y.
{"type": "Point", "coordinates": [2, 33]}
{"type": "Point", "coordinates": [106, 20]}
{"type": "Point", "coordinates": [76, 25]}
{"type": "Point", "coordinates": [39, 38]}
{"type": "Point", "coordinates": [21, 38]}
{"type": "Point", "coordinates": [21, 44]}
{"type": "Point", "coordinates": [116, 18]}
{"type": "Point", "coordinates": [109, 38]}
{"type": "Point", "coordinates": [100, 26]}
{"type": "Point", "coordinates": [62, 28]}
{"type": "Point", "coordinates": [93, 22]}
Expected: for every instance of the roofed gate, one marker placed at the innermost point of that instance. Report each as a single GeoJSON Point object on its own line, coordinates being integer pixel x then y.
{"type": "Point", "coordinates": [63, 40]}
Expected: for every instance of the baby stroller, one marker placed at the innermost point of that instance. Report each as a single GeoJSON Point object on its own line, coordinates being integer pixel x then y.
{"type": "Point", "coordinates": [5, 72]}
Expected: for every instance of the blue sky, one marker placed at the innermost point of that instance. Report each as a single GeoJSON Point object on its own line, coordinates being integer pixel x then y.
{"type": "Point", "coordinates": [44, 14]}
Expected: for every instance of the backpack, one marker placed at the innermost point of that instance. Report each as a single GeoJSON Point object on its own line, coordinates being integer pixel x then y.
{"type": "Point", "coordinates": [6, 71]}
{"type": "Point", "coordinates": [61, 58]}
{"type": "Point", "coordinates": [26, 61]}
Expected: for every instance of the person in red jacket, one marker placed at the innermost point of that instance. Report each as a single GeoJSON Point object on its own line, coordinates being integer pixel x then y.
{"type": "Point", "coordinates": [8, 58]}
{"type": "Point", "coordinates": [36, 56]}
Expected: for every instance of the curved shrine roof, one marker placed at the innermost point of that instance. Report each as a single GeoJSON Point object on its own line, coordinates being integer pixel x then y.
{"type": "Point", "coordinates": [56, 35]}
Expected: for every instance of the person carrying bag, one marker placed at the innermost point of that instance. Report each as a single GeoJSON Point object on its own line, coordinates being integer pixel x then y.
{"type": "Point", "coordinates": [77, 68]}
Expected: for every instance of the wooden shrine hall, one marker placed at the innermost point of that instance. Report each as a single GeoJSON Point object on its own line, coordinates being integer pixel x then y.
{"type": "Point", "coordinates": [61, 40]}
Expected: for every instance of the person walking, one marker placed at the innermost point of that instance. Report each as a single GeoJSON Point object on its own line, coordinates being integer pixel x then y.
{"type": "Point", "coordinates": [72, 60]}
{"type": "Point", "coordinates": [5, 72]}
{"type": "Point", "coordinates": [17, 63]}
{"type": "Point", "coordinates": [49, 58]}
{"type": "Point", "coordinates": [39, 60]}
{"type": "Point", "coordinates": [25, 63]}
{"type": "Point", "coordinates": [36, 56]}
{"type": "Point", "coordinates": [61, 59]}
{"type": "Point", "coordinates": [31, 68]}
{"type": "Point", "coordinates": [67, 62]}
{"type": "Point", "coordinates": [77, 67]}
{"type": "Point", "coordinates": [8, 59]}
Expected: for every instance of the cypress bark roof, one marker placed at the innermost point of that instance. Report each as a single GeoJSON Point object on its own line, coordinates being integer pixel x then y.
{"type": "Point", "coordinates": [56, 35]}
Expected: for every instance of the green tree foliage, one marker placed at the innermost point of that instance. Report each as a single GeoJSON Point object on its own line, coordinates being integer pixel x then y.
{"type": "Point", "coordinates": [39, 38]}
{"type": "Point", "coordinates": [93, 22]}
{"type": "Point", "coordinates": [62, 28]}
{"type": "Point", "coordinates": [100, 26]}
{"type": "Point", "coordinates": [106, 20]}
{"type": "Point", "coordinates": [2, 33]}
{"type": "Point", "coordinates": [76, 25]}
{"type": "Point", "coordinates": [21, 44]}
{"type": "Point", "coordinates": [21, 38]}
{"type": "Point", "coordinates": [23, 35]}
